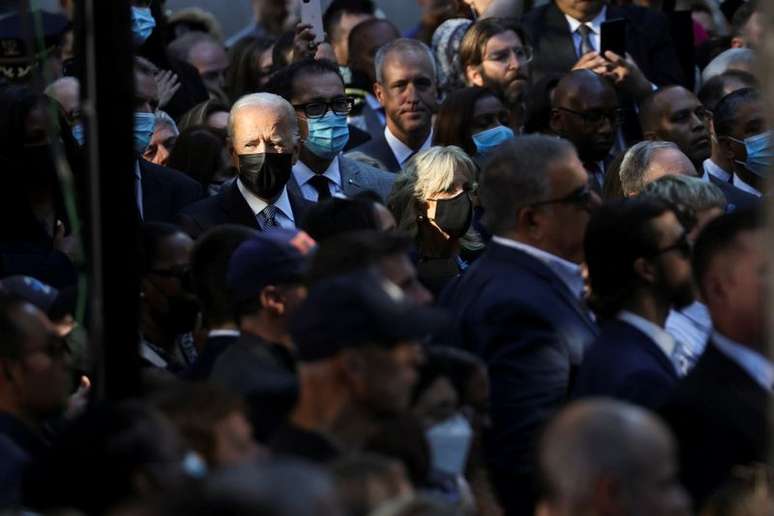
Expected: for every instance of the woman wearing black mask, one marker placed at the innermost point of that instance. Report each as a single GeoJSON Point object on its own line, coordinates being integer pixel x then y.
{"type": "Point", "coordinates": [433, 200]}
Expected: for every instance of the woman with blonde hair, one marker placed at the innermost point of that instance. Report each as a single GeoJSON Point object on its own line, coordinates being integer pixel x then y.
{"type": "Point", "coordinates": [432, 200]}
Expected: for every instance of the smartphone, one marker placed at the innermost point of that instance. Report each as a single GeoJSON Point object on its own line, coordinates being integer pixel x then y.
{"type": "Point", "coordinates": [311, 14]}
{"type": "Point", "coordinates": [614, 36]}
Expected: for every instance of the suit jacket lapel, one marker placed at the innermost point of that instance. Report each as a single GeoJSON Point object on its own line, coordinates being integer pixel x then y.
{"type": "Point", "coordinates": [350, 177]}
{"type": "Point", "coordinates": [651, 348]}
{"type": "Point", "coordinates": [236, 207]}
{"type": "Point", "coordinates": [153, 198]}
{"type": "Point", "coordinates": [558, 45]}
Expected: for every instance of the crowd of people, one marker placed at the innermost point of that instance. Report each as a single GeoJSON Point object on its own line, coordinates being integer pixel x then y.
{"type": "Point", "coordinates": [486, 265]}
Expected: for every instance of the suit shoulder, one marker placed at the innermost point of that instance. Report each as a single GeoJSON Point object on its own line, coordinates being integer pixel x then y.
{"type": "Point", "coordinates": [168, 175]}
{"type": "Point", "coordinates": [206, 205]}
{"type": "Point", "coordinates": [364, 168]}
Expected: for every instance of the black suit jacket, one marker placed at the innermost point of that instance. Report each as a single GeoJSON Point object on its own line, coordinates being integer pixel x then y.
{"type": "Point", "coordinates": [625, 364]}
{"type": "Point", "coordinates": [378, 149]}
{"type": "Point", "coordinates": [230, 207]}
{"type": "Point", "coordinates": [718, 413]}
{"type": "Point", "coordinates": [648, 41]}
{"type": "Point", "coordinates": [522, 320]}
{"type": "Point", "coordinates": [165, 192]}
{"type": "Point", "coordinates": [736, 197]}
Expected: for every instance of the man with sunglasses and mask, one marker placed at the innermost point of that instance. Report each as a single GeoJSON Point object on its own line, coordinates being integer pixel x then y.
{"type": "Point", "coordinates": [265, 143]}
{"type": "Point", "coordinates": [35, 383]}
{"type": "Point", "coordinates": [315, 88]}
{"type": "Point", "coordinates": [638, 255]}
{"type": "Point", "coordinates": [519, 305]}
{"type": "Point", "coordinates": [585, 110]}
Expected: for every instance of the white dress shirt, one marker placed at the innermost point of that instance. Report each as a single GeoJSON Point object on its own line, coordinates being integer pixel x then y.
{"type": "Point", "coordinates": [284, 217]}
{"type": "Point", "coordinates": [692, 327]}
{"type": "Point", "coordinates": [223, 333]}
{"type": "Point", "coordinates": [400, 150]}
{"type": "Point", "coordinates": [754, 364]}
{"type": "Point", "coordinates": [596, 30]}
{"type": "Point", "coordinates": [303, 174]}
{"type": "Point", "coordinates": [657, 334]}
{"type": "Point", "coordinates": [570, 273]}
{"type": "Point", "coordinates": [711, 168]}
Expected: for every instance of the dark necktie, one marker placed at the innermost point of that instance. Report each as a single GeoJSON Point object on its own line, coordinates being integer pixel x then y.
{"type": "Point", "coordinates": [585, 46]}
{"type": "Point", "coordinates": [321, 184]}
{"type": "Point", "coordinates": [267, 217]}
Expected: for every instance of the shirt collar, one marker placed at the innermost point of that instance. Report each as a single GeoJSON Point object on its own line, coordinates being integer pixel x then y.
{"type": "Point", "coordinates": [568, 272]}
{"type": "Point", "coordinates": [222, 333]}
{"type": "Point", "coordinates": [713, 169]}
{"type": "Point", "coordinates": [257, 204]}
{"type": "Point", "coordinates": [402, 151]}
{"type": "Point", "coordinates": [739, 183]}
{"type": "Point", "coordinates": [303, 174]}
{"type": "Point", "coordinates": [657, 334]}
{"type": "Point", "coordinates": [754, 364]}
{"type": "Point", "coordinates": [595, 24]}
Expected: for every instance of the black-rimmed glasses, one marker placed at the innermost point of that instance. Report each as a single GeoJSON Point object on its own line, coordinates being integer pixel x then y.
{"type": "Point", "coordinates": [339, 105]}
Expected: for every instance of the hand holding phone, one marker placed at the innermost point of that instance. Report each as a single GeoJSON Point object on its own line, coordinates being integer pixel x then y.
{"type": "Point", "coordinates": [613, 36]}
{"type": "Point", "coordinates": [311, 14]}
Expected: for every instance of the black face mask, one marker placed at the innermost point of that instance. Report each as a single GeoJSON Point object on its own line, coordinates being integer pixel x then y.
{"type": "Point", "coordinates": [265, 174]}
{"type": "Point", "coordinates": [453, 215]}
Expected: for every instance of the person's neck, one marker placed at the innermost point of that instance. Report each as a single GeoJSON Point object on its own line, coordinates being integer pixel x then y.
{"type": "Point", "coordinates": [320, 401]}
{"type": "Point", "coordinates": [315, 163]}
{"type": "Point", "coordinates": [720, 160]}
{"type": "Point", "coordinates": [648, 306]}
{"type": "Point", "coordinates": [353, 427]}
{"type": "Point", "coordinates": [267, 328]}
{"type": "Point", "coordinates": [739, 333]}
{"type": "Point", "coordinates": [413, 140]}
{"type": "Point", "coordinates": [587, 17]}
{"type": "Point", "coordinates": [153, 332]}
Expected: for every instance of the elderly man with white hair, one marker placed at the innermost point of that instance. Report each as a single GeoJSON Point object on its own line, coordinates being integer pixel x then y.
{"type": "Point", "coordinates": [265, 143]}
{"type": "Point", "coordinates": [649, 160]}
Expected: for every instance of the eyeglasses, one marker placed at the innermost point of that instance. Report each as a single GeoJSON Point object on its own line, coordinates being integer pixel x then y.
{"type": "Point", "coordinates": [615, 117]}
{"type": "Point", "coordinates": [339, 105]}
{"type": "Point", "coordinates": [579, 197]}
{"type": "Point", "coordinates": [683, 246]}
{"type": "Point", "coordinates": [523, 55]}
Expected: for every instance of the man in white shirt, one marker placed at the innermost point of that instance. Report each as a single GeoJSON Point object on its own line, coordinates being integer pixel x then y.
{"type": "Point", "coordinates": [265, 142]}
{"type": "Point", "coordinates": [638, 257]}
{"type": "Point", "coordinates": [406, 88]}
{"type": "Point", "coordinates": [718, 412]}
{"type": "Point", "coordinates": [315, 88]}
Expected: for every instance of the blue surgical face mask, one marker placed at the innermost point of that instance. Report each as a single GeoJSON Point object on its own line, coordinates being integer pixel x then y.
{"type": "Point", "coordinates": [487, 140]}
{"type": "Point", "coordinates": [143, 24]}
{"type": "Point", "coordinates": [450, 442]}
{"type": "Point", "coordinates": [78, 134]}
{"type": "Point", "coordinates": [759, 153]}
{"type": "Point", "coordinates": [328, 135]}
{"type": "Point", "coordinates": [143, 130]}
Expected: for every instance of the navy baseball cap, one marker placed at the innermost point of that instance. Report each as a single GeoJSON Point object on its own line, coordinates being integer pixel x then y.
{"type": "Point", "coordinates": [270, 258]}
{"type": "Point", "coordinates": [357, 309]}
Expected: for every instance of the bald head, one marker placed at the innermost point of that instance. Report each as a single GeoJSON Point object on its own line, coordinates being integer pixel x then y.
{"type": "Point", "coordinates": [579, 84]}
{"type": "Point", "coordinates": [604, 441]}
{"type": "Point", "coordinates": [66, 91]}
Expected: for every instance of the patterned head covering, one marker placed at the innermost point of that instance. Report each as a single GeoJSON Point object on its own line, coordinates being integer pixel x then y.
{"type": "Point", "coordinates": [446, 45]}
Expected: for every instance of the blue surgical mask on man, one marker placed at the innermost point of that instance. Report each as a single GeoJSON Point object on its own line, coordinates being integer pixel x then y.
{"type": "Point", "coordinates": [450, 442]}
{"type": "Point", "coordinates": [487, 140]}
{"type": "Point", "coordinates": [143, 130]}
{"type": "Point", "coordinates": [78, 133]}
{"type": "Point", "coordinates": [759, 153]}
{"type": "Point", "coordinates": [143, 24]}
{"type": "Point", "coordinates": [328, 135]}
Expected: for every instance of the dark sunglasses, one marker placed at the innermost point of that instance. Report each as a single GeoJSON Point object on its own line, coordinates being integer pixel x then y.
{"type": "Point", "coordinates": [683, 246]}
{"type": "Point", "coordinates": [579, 197]}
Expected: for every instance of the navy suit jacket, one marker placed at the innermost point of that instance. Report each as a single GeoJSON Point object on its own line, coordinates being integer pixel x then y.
{"type": "Point", "coordinates": [625, 364]}
{"type": "Point", "coordinates": [165, 192]}
{"type": "Point", "coordinates": [518, 316]}
{"type": "Point", "coordinates": [230, 207]}
{"type": "Point", "coordinates": [736, 197]}
{"type": "Point", "coordinates": [378, 149]}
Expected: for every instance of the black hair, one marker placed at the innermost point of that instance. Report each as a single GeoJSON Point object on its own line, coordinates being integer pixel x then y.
{"type": "Point", "coordinates": [337, 8]}
{"type": "Point", "coordinates": [355, 250]}
{"type": "Point", "coordinates": [455, 117]}
{"type": "Point", "coordinates": [209, 266]}
{"type": "Point", "coordinates": [538, 99]}
{"type": "Point", "coordinates": [283, 80]}
{"type": "Point", "coordinates": [724, 116]}
{"type": "Point", "coordinates": [11, 334]}
{"type": "Point", "coordinates": [335, 216]}
{"type": "Point", "coordinates": [244, 75]}
{"type": "Point", "coordinates": [198, 152]}
{"type": "Point", "coordinates": [619, 233]}
{"type": "Point", "coordinates": [152, 235]}
{"type": "Point", "coordinates": [454, 364]}
{"type": "Point", "coordinates": [720, 235]}
{"type": "Point", "coordinates": [714, 89]}
{"type": "Point", "coordinates": [742, 16]}
{"type": "Point", "coordinates": [282, 51]}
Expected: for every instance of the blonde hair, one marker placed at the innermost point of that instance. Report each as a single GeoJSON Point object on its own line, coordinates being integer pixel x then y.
{"type": "Point", "coordinates": [432, 171]}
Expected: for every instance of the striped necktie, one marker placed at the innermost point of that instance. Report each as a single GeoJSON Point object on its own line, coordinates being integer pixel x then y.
{"type": "Point", "coordinates": [267, 217]}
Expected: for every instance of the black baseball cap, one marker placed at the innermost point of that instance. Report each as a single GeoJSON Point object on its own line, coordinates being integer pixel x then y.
{"type": "Point", "coordinates": [269, 258]}
{"type": "Point", "coordinates": [357, 309]}
{"type": "Point", "coordinates": [53, 302]}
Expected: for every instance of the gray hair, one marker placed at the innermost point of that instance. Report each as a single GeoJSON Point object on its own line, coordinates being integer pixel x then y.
{"type": "Point", "coordinates": [691, 192]}
{"type": "Point", "coordinates": [733, 58]}
{"type": "Point", "coordinates": [267, 101]}
{"type": "Point", "coordinates": [516, 176]}
{"type": "Point", "coordinates": [597, 439]}
{"type": "Point", "coordinates": [163, 118]}
{"type": "Point", "coordinates": [403, 45]}
{"type": "Point", "coordinates": [636, 162]}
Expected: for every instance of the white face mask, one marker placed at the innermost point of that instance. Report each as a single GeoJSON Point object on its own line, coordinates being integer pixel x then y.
{"type": "Point", "coordinates": [450, 442]}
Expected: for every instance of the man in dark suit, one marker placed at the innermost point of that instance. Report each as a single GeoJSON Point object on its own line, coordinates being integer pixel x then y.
{"type": "Point", "coordinates": [566, 34]}
{"type": "Point", "coordinates": [674, 114]}
{"type": "Point", "coordinates": [209, 265]}
{"type": "Point", "coordinates": [316, 90]}
{"type": "Point", "coordinates": [164, 191]}
{"type": "Point", "coordinates": [585, 111]}
{"type": "Point", "coordinates": [718, 412]}
{"type": "Point", "coordinates": [638, 257]}
{"type": "Point", "coordinates": [265, 142]}
{"type": "Point", "coordinates": [406, 87]}
{"type": "Point", "coordinates": [519, 305]}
